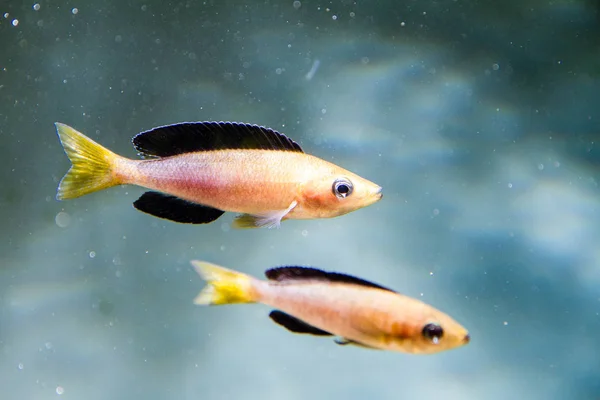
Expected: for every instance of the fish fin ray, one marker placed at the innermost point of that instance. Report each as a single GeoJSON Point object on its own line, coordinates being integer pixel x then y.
{"type": "Point", "coordinates": [345, 342]}
{"type": "Point", "coordinates": [176, 209]}
{"type": "Point", "coordinates": [92, 165]}
{"type": "Point", "coordinates": [266, 220]}
{"type": "Point", "coordinates": [223, 285]}
{"type": "Point", "coordinates": [188, 137]}
{"type": "Point", "coordinates": [295, 273]}
{"type": "Point", "coordinates": [295, 325]}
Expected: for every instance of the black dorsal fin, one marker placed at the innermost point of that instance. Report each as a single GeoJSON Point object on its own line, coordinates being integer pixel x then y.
{"type": "Point", "coordinates": [188, 137]}
{"type": "Point", "coordinates": [295, 273]}
{"type": "Point", "coordinates": [295, 325]}
{"type": "Point", "coordinates": [175, 209]}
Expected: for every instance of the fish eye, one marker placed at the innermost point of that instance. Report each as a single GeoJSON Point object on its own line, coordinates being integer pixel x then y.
{"type": "Point", "coordinates": [342, 188]}
{"type": "Point", "coordinates": [433, 332]}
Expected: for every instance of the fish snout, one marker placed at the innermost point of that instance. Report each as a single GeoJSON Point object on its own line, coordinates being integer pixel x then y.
{"type": "Point", "coordinates": [378, 192]}
{"type": "Point", "coordinates": [467, 338]}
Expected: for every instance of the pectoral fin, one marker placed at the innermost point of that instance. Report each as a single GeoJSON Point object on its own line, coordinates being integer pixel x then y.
{"type": "Point", "coordinates": [345, 342]}
{"type": "Point", "coordinates": [269, 220]}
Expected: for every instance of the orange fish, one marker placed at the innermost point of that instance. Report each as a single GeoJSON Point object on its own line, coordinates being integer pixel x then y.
{"type": "Point", "coordinates": [324, 303]}
{"type": "Point", "coordinates": [197, 171]}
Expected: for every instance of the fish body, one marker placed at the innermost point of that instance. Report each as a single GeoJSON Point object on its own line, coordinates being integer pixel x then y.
{"type": "Point", "coordinates": [263, 175]}
{"type": "Point", "coordinates": [312, 301]}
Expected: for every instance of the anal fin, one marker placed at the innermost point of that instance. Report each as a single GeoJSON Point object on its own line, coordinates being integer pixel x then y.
{"type": "Point", "coordinates": [176, 209]}
{"type": "Point", "coordinates": [295, 325]}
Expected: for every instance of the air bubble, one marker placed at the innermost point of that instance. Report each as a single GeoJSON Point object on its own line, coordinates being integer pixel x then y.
{"type": "Point", "coordinates": [36, 6]}
{"type": "Point", "coordinates": [74, 11]}
{"type": "Point", "coordinates": [62, 219]}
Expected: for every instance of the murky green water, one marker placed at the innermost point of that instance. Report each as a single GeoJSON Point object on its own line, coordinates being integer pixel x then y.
{"type": "Point", "coordinates": [479, 119]}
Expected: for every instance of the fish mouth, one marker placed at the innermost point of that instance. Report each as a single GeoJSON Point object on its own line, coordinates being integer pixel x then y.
{"type": "Point", "coordinates": [467, 338]}
{"type": "Point", "coordinates": [378, 193]}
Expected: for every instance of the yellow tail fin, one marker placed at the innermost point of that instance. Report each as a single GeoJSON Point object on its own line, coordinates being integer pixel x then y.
{"type": "Point", "coordinates": [224, 286]}
{"type": "Point", "coordinates": [92, 166]}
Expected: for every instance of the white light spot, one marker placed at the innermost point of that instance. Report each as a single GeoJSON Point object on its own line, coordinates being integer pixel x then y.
{"type": "Point", "coordinates": [505, 323]}
{"type": "Point", "coordinates": [510, 185]}
{"type": "Point", "coordinates": [20, 366]}
{"type": "Point", "coordinates": [222, 248]}
{"type": "Point", "coordinates": [62, 219]}
{"type": "Point", "coordinates": [92, 254]}
{"type": "Point", "coordinates": [431, 273]}
{"type": "Point", "coordinates": [36, 6]}
{"type": "Point", "coordinates": [297, 4]}
{"type": "Point", "coordinates": [313, 70]}
{"type": "Point", "coordinates": [74, 11]}
{"type": "Point", "coordinates": [15, 22]}
{"type": "Point", "coordinates": [305, 233]}
{"type": "Point", "coordinates": [60, 390]}
{"type": "Point", "coordinates": [402, 23]}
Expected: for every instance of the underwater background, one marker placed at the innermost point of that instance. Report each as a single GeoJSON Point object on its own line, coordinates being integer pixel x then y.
{"type": "Point", "coordinates": [480, 120]}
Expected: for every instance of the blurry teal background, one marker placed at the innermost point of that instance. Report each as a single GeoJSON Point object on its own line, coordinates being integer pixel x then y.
{"type": "Point", "coordinates": [479, 118]}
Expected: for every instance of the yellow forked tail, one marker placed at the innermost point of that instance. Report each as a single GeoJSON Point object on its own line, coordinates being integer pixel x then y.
{"type": "Point", "coordinates": [223, 286]}
{"type": "Point", "coordinates": [92, 166]}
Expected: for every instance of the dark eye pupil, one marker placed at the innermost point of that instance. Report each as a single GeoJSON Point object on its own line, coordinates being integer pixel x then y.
{"type": "Point", "coordinates": [342, 188]}
{"type": "Point", "coordinates": [433, 331]}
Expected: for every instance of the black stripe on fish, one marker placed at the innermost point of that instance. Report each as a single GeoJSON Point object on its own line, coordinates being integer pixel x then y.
{"type": "Point", "coordinates": [175, 209]}
{"type": "Point", "coordinates": [188, 137]}
{"type": "Point", "coordinates": [295, 325]}
{"type": "Point", "coordinates": [295, 273]}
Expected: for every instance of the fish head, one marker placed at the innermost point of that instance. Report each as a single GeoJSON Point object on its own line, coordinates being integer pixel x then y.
{"type": "Point", "coordinates": [431, 332]}
{"type": "Point", "coordinates": [338, 192]}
